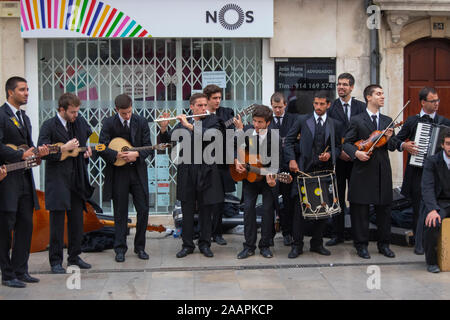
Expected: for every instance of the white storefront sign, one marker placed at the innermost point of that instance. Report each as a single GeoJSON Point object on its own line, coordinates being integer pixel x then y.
{"type": "Point", "coordinates": [149, 18]}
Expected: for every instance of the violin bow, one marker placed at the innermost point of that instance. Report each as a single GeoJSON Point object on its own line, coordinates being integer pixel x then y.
{"type": "Point", "coordinates": [385, 130]}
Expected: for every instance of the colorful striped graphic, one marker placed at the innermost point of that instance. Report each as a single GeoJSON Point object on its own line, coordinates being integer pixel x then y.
{"type": "Point", "coordinates": [89, 17]}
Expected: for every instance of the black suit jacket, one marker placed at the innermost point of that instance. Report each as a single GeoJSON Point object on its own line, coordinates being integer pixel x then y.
{"type": "Point", "coordinates": [370, 181]}
{"type": "Point", "coordinates": [209, 183]}
{"type": "Point", "coordinates": [62, 177]}
{"type": "Point", "coordinates": [336, 112]}
{"type": "Point", "coordinates": [435, 171]}
{"type": "Point", "coordinates": [302, 150]}
{"type": "Point", "coordinates": [140, 137]}
{"type": "Point", "coordinates": [10, 133]}
{"type": "Point", "coordinates": [413, 174]}
{"type": "Point", "coordinates": [286, 124]}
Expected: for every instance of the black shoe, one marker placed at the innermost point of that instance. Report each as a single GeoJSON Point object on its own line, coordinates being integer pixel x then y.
{"type": "Point", "coordinates": [14, 283]}
{"type": "Point", "coordinates": [334, 241]}
{"type": "Point", "coordinates": [266, 253]}
{"type": "Point", "coordinates": [58, 269]}
{"type": "Point", "coordinates": [207, 252]}
{"type": "Point", "coordinates": [245, 253]}
{"type": "Point", "coordinates": [320, 250]}
{"type": "Point", "coordinates": [363, 253]}
{"type": "Point", "coordinates": [27, 278]}
{"type": "Point", "coordinates": [433, 268]}
{"type": "Point", "coordinates": [271, 244]}
{"type": "Point", "coordinates": [184, 252]}
{"type": "Point", "coordinates": [419, 251]}
{"type": "Point", "coordinates": [120, 257]}
{"type": "Point", "coordinates": [287, 240]}
{"type": "Point", "coordinates": [142, 254]}
{"type": "Point", "coordinates": [384, 250]}
{"type": "Point", "coordinates": [219, 240]}
{"type": "Point", "coordinates": [295, 252]}
{"type": "Point", "coordinates": [83, 265]}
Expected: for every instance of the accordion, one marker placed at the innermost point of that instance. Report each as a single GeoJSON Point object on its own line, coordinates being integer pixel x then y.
{"type": "Point", "coordinates": [427, 141]}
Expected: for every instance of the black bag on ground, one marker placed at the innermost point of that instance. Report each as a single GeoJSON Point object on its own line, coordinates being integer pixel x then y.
{"type": "Point", "coordinates": [99, 240]}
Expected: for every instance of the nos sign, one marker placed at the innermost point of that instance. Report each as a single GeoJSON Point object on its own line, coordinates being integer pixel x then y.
{"type": "Point", "coordinates": [231, 16]}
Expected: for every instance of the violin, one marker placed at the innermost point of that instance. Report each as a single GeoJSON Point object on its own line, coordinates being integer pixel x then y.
{"type": "Point", "coordinates": [376, 139]}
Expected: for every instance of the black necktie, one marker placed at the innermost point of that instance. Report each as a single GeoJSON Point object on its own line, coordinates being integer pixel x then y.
{"type": "Point", "coordinates": [19, 117]}
{"type": "Point", "coordinates": [125, 125]}
{"type": "Point", "coordinates": [374, 121]}
{"type": "Point", "coordinates": [279, 121]}
{"type": "Point", "coordinates": [319, 122]}
{"type": "Point", "coordinates": [346, 111]}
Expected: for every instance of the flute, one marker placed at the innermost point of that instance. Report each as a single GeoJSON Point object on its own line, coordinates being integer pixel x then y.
{"type": "Point", "coordinates": [174, 118]}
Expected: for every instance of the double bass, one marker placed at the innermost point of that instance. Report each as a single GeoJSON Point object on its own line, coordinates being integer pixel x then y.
{"type": "Point", "coordinates": [41, 224]}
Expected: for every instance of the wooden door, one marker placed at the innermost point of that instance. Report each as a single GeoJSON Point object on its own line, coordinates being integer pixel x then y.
{"type": "Point", "coordinates": [427, 63]}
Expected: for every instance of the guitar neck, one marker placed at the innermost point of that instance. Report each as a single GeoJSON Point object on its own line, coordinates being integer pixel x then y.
{"type": "Point", "coordinates": [229, 122]}
{"type": "Point", "coordinates": [260, 171]}
{"type": "Point", "coordinates": [16, 166]}
{"type": "Point", "coordinates": [142, 148]}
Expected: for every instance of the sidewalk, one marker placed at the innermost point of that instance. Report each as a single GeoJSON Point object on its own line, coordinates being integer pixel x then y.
{"type": "Point", "coordinates": [343, 275]}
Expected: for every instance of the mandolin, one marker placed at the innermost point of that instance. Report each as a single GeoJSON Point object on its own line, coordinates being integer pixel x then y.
{"type": "Point", "coordinates": [122, 145]}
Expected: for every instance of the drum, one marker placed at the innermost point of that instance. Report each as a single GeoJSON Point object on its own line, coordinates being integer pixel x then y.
{"type": "Point", "coordinates": [318, 194]}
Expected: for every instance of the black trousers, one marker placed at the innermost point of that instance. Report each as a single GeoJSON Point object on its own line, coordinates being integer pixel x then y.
{"type": "Point", "coordinates": [14, 263]}
{"type": "Point", "coordinates": [126, 182]}
{"type": "Point", "coordinates": [431, 237]}
{"type": "Point", "coordinates": [217, 214]}
{"type": "Point", "coordinates": [343, 172]}
{"type": "Point", "coordinates": [299, 227]}
{"type": "Point", "coordinates": [188, 208]}
{"type": "Point", "coordinates": [74, 231]}
{"type": "Point", "coordinates": [250, 192]}
{"type": "Point", "coordinates": [360, 224]}
{"type": "Point", "coordinates": [286, 213]}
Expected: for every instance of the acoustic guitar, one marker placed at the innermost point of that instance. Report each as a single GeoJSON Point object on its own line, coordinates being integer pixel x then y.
{"type": "Point", "coordinates": [256, 172]}
{"type": "Point", "coordinates": [243, 113]}
{"type": "Point", "coordinates": [122, 145]}
{"type": "Point", "coordinates": [75, 152]}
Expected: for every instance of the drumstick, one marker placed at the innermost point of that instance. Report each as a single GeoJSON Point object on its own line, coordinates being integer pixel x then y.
{"type": "Point", "coordinates": [325, 150]}
{"type": "Point", "coordinates": [304, 173]}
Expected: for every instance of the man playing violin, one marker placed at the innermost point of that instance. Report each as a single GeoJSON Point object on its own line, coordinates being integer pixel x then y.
{"type": "Point", "coordinates": [371, 178]}
{"type": "Point", "coordinates": [132, 178]}
{"type": "Point", "coordinates": [67, 186]}
{"type": "Point", "coordinates": [18, 195]}
{"type": "Point", "coordinates": [260, 137]}
{"type": "Point", "coordinates": [411, 186]}
{"type": "Point", "coordinates": [317, 150]}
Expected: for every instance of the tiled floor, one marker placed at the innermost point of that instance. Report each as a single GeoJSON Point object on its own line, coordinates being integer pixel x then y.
{"type": "Point", "coordinates": [342, 275]}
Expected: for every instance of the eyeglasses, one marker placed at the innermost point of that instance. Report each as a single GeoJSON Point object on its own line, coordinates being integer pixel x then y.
{"type": "Point", "coordinates": [434, 101]}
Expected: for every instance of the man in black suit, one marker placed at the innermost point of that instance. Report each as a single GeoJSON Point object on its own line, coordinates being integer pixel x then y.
{"type": "Point", "coordinates": [132, 178]}
{"type": "Point", "coordinates": [199, 183]}
{"type": "Point", "coordinates": [411, 189]}
{"type": "Point", "coordinates": [343, 110]}
{"type": "Point", "coordinates": [214, 96]}
{"type": "Point", "coordinates": [371, 178]}
{"type": "Point", "coordinates": [67, 185]}
{"type": "Point", "coordinates": [318, 133]}
{"type": "Point", "coordinates": [436, 198]}
{"type": "Point", "coordinates": [17, 191]}
{"type": "Point", "coordinates": [257, 140]}
{"type": "Point", "coordinates": [283, 121]}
